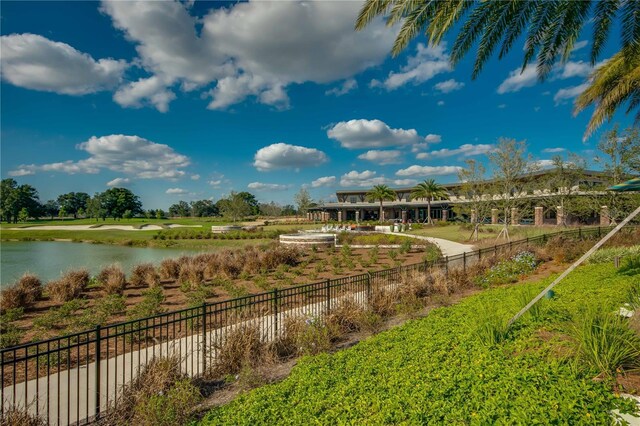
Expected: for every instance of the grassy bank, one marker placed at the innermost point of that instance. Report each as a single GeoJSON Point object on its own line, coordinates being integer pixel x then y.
{"type": "Point", "coordinates": [488, 233]}
{"type": "Point", "coordinates": [451, 367]}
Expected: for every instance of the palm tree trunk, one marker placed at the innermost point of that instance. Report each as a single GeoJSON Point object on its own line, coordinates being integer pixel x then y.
{"type": "Point", "coordinates": [381, 211]}
{"type": "Point", "coordinates": [429, 221]}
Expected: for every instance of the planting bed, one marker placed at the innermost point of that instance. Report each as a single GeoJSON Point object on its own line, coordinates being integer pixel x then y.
{"type": "Point", "coordinates": [459, 365]}
{"type": "Point", "coordinates": [312, 264]}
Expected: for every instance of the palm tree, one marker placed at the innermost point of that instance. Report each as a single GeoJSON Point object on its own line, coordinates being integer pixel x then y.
{"type": "Point", "coordinates": [381, 193]}
{"type": "Point", "coordinates": [612, 84]}
{"type": "Point", "coordinates": [550, 30]}
{"type": "Point", "coordinates": [429, 190]}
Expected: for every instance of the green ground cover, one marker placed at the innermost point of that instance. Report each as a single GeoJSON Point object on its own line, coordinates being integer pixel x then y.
{"type": "Point", "coordinates": [442, 369]}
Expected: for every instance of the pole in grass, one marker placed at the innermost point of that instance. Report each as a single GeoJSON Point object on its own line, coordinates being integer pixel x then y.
{"type": "Point", "coordinates": [574, 266]}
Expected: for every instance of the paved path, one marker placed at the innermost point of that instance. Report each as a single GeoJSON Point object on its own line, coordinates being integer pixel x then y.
{"type": "Point", "coordinates": [447, 247]}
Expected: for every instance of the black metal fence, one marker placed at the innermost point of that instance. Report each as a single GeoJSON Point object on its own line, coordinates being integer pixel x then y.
{"type": "Point", "coordinates": [75, 378]}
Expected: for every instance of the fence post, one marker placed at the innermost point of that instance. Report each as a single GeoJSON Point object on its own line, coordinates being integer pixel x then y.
{"type": "Point", "coordinates": [369, 287]}
{"type": "Point", "coordinates": [446, 265]}
{"type": "Point", "coordinates": [464, 261]}
{"type": "Point", "coordinates": [328, 295]}
{"type": "Point", "coordinates": [598, 232]}
{"type": "Point", "coordinates": [98, 347]}
{"type": "Point", "coordinates": [479, 254]}
{"type": "Point", "coordinates": [275, 312]}
{"type": "Point", "coordinates": [204, 337]}
{"type": "Point", "coordinates": [580, 233]}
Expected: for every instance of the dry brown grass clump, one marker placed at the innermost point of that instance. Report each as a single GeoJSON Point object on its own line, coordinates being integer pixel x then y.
{"type": "Point", "coordinates": [144, 275]}
{"type": "Point", "coordinates": [112, 279]}
{"type": "Point", "coordinates": [280, 255]}
{"type": "Point", "coordinates": [230, 263]}
{"type": "Point", "coordinates": [347, 316]}
{"type": "Point", "coordinates": [69, 286]}
{"type": "Point", "coordinates": [22, 294]}
{"type": "Point", "coordinates": [383, 302]}
{"type": "Point", "coordinates": [161, 395]}
{"type": "Point", "coordinates": [169, 269]}
{"type": "Point", "coordinates": [192, 272]}
{"type": "Point", "coordinates": [242, 347]}
{"type": "Point", "coordinates": [20, 417]}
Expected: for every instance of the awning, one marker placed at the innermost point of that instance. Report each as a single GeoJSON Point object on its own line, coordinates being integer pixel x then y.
{"type": "Point", "coordinates": [630, 185]}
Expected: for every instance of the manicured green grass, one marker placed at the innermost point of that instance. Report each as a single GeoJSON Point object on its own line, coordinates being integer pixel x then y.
{"type": "Point", "coordinates": [487, 232]}
{"type": "Point", "coordinates": [439, 369]}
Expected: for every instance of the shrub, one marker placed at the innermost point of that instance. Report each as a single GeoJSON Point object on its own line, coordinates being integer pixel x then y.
{"type": "Point", "coordinates": [150, 305]}
{"type": "Point", "coordinates": [405, 247]}
{"type": "Point", "coordinates": [393, 255]}
{"type": "Point", "coordinates": [241, 347]}
{"type": "Point", "coordinates": [69, 286]}
{"type": "Point", "coordinates": [491, 327]}
{"type": "Point", "coordinates": [508, 271]}
{"type": "Point", "coordinates": [609, 254]}
{"type": "Point", "coordinates": [606, 342]}
{"type": "Point", "coordinates": [144, 275]}
{"type": "Point", "coordinates": [346, 317]}
{"type": "Point", "coordinates": [159, 395]}
{"type": "Point", "coordinates": [10, 334]}
{"type": "Point", "coordinates": [12, 298]}
{"type": "Point", "coordinates": [112, 279]}
{"type": "Point", "coordinates": [169, 269]}
{"type": "Point", "coordinates": [630, 266]}
{"type": "Point", "coordinates": [382, 302]}
{"type": "Point", "coordinates": [31, 287]}
{"type": "Point", "coordinates": [192, 272]}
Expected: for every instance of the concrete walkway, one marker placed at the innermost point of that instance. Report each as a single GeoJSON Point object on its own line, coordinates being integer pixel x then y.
{"type": "Point", "coordinates": [447, 247]}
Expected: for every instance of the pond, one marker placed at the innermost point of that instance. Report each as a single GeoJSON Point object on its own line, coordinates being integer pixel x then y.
{"type": "Point", "coordinates": [47, 259]}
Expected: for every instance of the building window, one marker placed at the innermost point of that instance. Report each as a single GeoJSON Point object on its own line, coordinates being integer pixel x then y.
{"type": "Point", "coordinates": [353, 199]}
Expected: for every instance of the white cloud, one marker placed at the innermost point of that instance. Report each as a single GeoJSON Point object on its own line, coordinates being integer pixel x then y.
{"type": "Point", "coordinates": [285, 156]}
{"type": "Point", "coordinates": [382, 157]}
{"type": "Point", "coordinates": [431, 138]}
{"type": "Point", "coordinates": [416, 170]}
{"type": "Point", "coordinates": [260, 186]}
{"type": "Point", "coordinates": [440, 103]}
{"type": "Point", "coordinates": [195, 177]}
{"type": "Point", "coordinates": [543, 164]}
{"type": "Point", "coordinates": [569, 93]}
{"type": "Point", "coordinates": [428, 62]}
{"type": "Point", "coordinates": [215, 183]}
{"type": "Point", "coordinates": [466, 150]}
{"type": "Point", "coordinates": [118, 182]}
{"type": "Point", "coordinates": [518, 80]}
{"type": "Point", "coordinates": [357, 134]}
{"type": "Point", "coordinates": [35, 62]}
{"type": "Point", "coordinates": [22, 172]}
{"type": "Point", "coordinates": [144, 92]}
{"type": "Point", "coordinates": [246, 49]}
{"type": "Point", "coordinates": [579, 45]}
{"type": "Point", "coordinates": [574, 69]}
{"type": "Point", "coordinates": [323, 181]}
{"type": "Point", "coordinates": [176, 191]}
{"type": "Point", "coordinates": [553, 150]}
{"type": "Point", "coordinates": [502, 106]}
{"type": "Point", "coordinates": [361, 179]}
{"type": "Point", "coordinates": [346, 87]}
{"type": "Point", "coordinates": [131, 155]}
{"type": "Point", "coordinates": [448, 86]}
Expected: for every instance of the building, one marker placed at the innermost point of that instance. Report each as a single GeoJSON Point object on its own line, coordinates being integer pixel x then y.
{"type": "Point", "coordinates": [352, 205]}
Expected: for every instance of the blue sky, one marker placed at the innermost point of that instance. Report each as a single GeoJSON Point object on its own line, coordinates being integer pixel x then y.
{"type": "Point", "coordinates": [190, 101]}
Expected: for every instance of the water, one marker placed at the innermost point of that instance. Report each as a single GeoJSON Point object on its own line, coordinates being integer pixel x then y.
{"type": "Point", "coordinates": [47, 259]}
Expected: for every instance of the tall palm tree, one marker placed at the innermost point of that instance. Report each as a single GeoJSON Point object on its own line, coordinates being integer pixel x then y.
{"type": "Point", "coordinates": [550, 30]}
{"type": "Point", "coordinates": [429, 190]}
{"type": "Point", "coordinates": [381, 193]}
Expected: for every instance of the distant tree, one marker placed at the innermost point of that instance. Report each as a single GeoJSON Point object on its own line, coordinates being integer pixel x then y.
{"type": "Point", "coordinates": [116, 201]}
{"type": "Point", "coordinates": [204, 208]}
{"type": "Point", "coordinates": [14, 197]}
{"type": "Point", "coordinates": [95, 208]}
{"type": "Point", "coordinates": [180, 209]}
{"type": "Point", "coordinates": [160, 214]}
{"type": "Point", "coordinates": [303, 201]}
{"type": "Point", "coordinates": [511, 164]}
{"type": "Point", "coordinates": [381, 193]}
{"type": "Point", "coordinates": [288, 210]}
{"type": "Point", "coordinates": [51, 208]}
{"type": "Point", "coordinates": [23, 215]}
{"type": "Point", "coordinates": [475, 189]}
{"type": "Point", "coordinates": [428, 190]}
{"type": "Point", "coordinates": [235, 207]}
{"type": "Point", "coordinates": [270, 209]}
{"type": "Point", "coordinates": [251, 201]}
{"type": "Point", "coordinates": [73, 202]}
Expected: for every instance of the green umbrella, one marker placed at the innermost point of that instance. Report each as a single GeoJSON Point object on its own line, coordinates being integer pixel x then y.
{"type": "Point", "coordinates": [630, 185]}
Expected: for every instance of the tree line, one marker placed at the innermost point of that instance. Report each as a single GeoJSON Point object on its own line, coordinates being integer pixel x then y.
{"type": "Point", "coordinates": [21, 202]}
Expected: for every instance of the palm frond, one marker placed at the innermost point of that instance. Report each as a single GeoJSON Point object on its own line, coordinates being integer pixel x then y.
{"type": "Point", "coordinates": [370, 10]}
{"type": "Point", "coordinates": [631, 28]}
{"type": "Point", "coordinates": [604, 12]}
